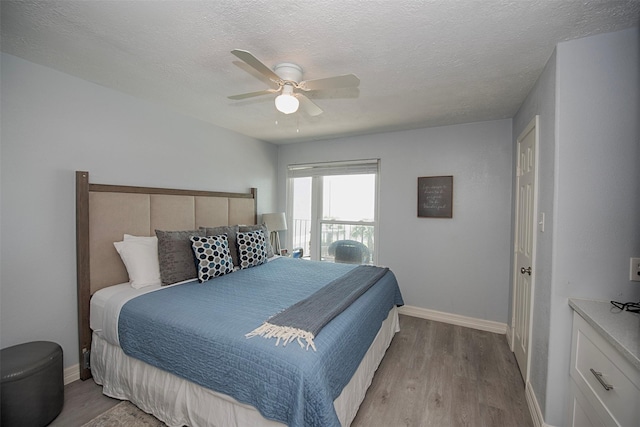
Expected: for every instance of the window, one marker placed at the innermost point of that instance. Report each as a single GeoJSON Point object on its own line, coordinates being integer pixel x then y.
{"type": "Point", "coordinates": [333, 208]}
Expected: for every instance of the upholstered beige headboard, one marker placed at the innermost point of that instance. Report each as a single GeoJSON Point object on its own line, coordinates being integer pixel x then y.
{"type": "Point", "coordinates": [104, 213]}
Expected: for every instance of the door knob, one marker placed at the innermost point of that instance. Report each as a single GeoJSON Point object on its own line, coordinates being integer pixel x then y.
{"type": "Point", "coordinates": [526, 270]}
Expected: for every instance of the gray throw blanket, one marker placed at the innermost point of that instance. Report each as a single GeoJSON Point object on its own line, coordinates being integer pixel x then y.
{"type": "Point", "coordinates": [305, 319]}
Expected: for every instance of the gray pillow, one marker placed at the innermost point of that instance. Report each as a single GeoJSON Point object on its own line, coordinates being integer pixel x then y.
{"type": "Point", "coordinates": [175, 256]}
{"type": "Point", "coordinates": [231, 231]}
{"type": "Point", "coordinates": [267, 236]}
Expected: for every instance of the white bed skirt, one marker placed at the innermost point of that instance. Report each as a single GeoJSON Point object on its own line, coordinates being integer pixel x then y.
{"type": "Point", "coordinates": [179, 402]}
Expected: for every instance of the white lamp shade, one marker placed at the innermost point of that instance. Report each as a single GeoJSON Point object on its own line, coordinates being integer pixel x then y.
{"type": "Point", "coordinates": [287, 104]}
{"type": "Point", "coordinates": [275, 221]}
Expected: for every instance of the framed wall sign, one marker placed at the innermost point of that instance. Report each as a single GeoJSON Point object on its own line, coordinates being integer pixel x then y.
{"type": "Point", "coordinates": [435, 197]}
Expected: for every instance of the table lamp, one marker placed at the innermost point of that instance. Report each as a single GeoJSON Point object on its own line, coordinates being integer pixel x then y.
{"type": "Point", "coordinates": [275, 222]}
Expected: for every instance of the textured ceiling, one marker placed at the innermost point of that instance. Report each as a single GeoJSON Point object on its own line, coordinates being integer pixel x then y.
{"type": "Point", "coordinates": [421, 63]}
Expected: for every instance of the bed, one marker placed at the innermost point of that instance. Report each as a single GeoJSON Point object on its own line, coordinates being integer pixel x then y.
{"type": "Point", "coordinates": [216, 373]}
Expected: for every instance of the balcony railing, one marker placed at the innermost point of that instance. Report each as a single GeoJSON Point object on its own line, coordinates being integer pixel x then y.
{"type": "Point", "coordinates": [332, 231]}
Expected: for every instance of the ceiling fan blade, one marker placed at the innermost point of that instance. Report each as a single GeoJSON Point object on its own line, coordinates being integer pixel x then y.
{"type": "Point", "coordinates": [254, 62]}
{"type": "Point", "coordinates": [252, 94]}
{"type": "Point", "coordinates": [344, 93]}
{"type": "Point", "coordinates": [336, 82]}
{"type": "Point", "coordinates": [308, 105]}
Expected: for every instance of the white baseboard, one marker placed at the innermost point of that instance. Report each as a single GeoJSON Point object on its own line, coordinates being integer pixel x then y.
{"type": "Point", "coordinates": [534, 408]}
{"type": "Point", "coordinates": [454, 319]}
{"type": "Point", "coordinates": [71, 374]}
{"type": "Point", "coordinates": [510, 337]}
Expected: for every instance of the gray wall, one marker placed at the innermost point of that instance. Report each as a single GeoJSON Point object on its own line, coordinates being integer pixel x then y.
{"type": "Point", "coordinates": [54, 124]}
{"type": "Point", "coordinates": [458, 265]}
{"type": "Point", "coordinates": [595, 194]}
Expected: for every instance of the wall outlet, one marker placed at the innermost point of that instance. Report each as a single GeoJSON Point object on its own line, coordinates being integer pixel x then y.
{"type": "Point", "coordinates": [634, 270]}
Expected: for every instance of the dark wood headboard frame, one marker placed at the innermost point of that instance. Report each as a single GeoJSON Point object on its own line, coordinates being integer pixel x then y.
{"type": "Point", "coordinates": [83, 188]}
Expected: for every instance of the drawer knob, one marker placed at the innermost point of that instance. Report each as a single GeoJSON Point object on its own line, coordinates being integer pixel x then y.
{"type": "Point", "coordinates": [602, 382]}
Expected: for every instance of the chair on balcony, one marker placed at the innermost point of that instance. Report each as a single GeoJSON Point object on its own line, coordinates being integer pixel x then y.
{"type": "Point", "coordinates": [349, 252]}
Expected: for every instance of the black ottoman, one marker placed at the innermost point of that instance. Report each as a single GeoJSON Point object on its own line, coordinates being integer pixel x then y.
{"type": "Point", "coordinates": [32, 384]}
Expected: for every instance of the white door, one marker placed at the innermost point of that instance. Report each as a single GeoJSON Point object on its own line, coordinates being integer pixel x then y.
{"type": "Point", "coordinates": [524, 245]}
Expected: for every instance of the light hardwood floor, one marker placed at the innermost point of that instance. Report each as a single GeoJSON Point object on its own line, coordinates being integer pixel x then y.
{"type": "Point", "coordinates": [434, 374]}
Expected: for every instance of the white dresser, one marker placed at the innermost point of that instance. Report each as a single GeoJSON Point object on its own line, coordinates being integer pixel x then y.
{"type": "Point", "coordinates": [605, 366]}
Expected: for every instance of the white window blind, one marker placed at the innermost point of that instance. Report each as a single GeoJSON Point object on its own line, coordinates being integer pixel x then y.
{"type": "Point", "coordinates": [354, 167]}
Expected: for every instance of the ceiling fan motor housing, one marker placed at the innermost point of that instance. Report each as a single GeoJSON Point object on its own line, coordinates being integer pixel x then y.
{"type": "Point", "coordinates": [288, 71]}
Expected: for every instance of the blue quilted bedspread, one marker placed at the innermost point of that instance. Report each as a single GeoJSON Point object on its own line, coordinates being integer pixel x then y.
{"type": "Point", "coordinates": [196, 331]}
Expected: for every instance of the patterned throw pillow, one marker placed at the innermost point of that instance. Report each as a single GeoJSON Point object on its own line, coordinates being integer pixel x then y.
{"type": "Point", "coordinates": [263, 227]}
{"type": "Point", "coordinates": [251, 248]}
{"type": "Point", "coordinates": [231, 231]}
{"type": "Point", "coordinates": [212, 256]}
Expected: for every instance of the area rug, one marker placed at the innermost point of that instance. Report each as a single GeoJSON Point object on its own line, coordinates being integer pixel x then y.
{"type": "Point", "coordinates": [125, 414]}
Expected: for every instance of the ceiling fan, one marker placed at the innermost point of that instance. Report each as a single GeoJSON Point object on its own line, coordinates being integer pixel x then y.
{"type": "Point", "coordinates": [288, 79]}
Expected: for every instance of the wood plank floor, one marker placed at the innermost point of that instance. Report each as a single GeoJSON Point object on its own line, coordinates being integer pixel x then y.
{"type": "Point", "coordinates": [434, 374]}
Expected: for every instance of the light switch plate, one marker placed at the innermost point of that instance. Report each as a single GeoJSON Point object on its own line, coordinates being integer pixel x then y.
{"type": "Point", "coordinates": [634, 270]}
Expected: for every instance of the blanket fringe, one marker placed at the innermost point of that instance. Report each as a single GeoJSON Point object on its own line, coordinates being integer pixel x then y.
{"type": "Point", "coordinates": [286, 334]}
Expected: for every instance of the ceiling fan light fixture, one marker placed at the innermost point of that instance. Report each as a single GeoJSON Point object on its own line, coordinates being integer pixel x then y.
{"type": "Point", "coordinates": [287, 103]}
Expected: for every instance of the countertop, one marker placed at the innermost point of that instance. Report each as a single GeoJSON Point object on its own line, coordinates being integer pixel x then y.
{"type": "Point", "coordinates": [620, 328]}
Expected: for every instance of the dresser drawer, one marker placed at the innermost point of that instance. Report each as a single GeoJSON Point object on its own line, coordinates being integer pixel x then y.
{"type": "Point", "coordinates": [581, 411]}
{"type": "Point", "coordinates": [595, 366]}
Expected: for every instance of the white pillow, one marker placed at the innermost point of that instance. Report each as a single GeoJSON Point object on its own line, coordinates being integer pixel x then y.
{"type": "Point", "coordinates": [140, 256]}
